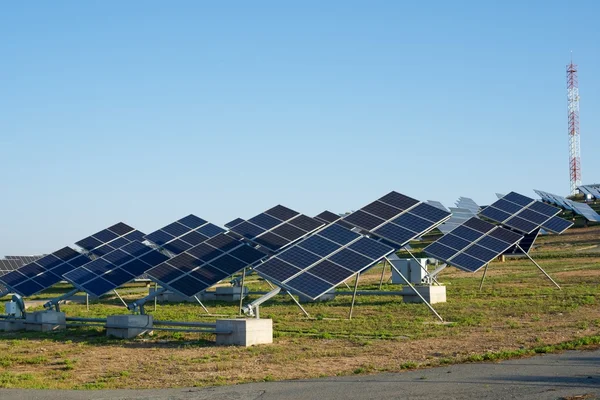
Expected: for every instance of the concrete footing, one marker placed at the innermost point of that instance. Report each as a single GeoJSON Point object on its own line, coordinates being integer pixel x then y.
{"type": "Point", "coordinates": [128, 326]}
{"type": "Point", "coordinates": [433, 294]}
{"type": "Point", "coordinates": [244, 332]}
{"type": "Point", "coordinates": [45, 321]}
{"type": "Point", "coordinates": [11, 325]}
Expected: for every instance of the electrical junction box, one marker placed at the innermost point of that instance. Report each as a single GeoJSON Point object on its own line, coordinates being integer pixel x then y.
{"type": "Point", "coordinates": [408, 267]}
{"type": "Point", "coordinates": [12, 309]}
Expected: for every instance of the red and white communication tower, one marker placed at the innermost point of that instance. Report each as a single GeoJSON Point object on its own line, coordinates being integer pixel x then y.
{"type": "Point", "coordinates": [574, 144]}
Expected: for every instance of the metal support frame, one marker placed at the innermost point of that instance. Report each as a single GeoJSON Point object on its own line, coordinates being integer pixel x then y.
{"type": "Point", "coordinates": [201, 305]}
{"type": "Point", "coordinates": [483, 277]}
{"type": "Point", "coordinates": [55, 303]}
{"type": "Point", "coordinates": [416, 292]}
{"type": "Point", "coordinates": [437, 271]}
{"type": "Point", "coordinates": [120, 298]}
{"type": "Point", "coordinates": [242, 289]}
{"type": "Point", "coordinates": [382, 274]}
{"type": "Point", "coordinates": [354, 295]}
{"type": "Point", "coordinates": [422, 267]}
{"type": "Point", "coordinates": [540, 268]}
{"type": "Point", "coordinates": [138, 305]}
{"type": "Point", "coordinates": [298, 304]}
{"type": "Point", "coordinates": [253, 309]}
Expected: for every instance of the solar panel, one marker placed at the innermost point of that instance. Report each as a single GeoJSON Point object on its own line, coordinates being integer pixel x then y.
{"type": "Point", "coordinates": [202, 266]}
{"type": "Point", "coordinates": [109, 239]}
{"type": "Point", "coordinates": [44, 272]}
{"type": "Point", "coordinates": [437, 204]}
{"type": "Point", "coordinates": [323, 260]}
{"type": "Point", "coordinates": [327, 217]}
{"type": "Point", "coordinates": [469, 204]}
{"type": "Point", "coordinates": [115, 268]}
{"type": "Point", "coordinates": [397, 218]}
{"type": "Point", "coordinates": [233, 223]}
{"type": "Point", "coordinates": [276, 227]}
{"type": "Point", "coordinates": [592, 190]}
{"type": "Point", "coordinates": [458, 217]}
{"type": "Point", "coordinates": [183, 234]}
{"type": "Point", "coordinates": [524, 214]}
{"type": "Point", "coordinates": [473, 244]}
{"type": "Point", "coordinates": [586, 211]}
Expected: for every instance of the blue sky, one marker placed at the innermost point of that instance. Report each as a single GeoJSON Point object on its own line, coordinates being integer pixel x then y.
{"type": "Point", "coordinates": [144, 112]}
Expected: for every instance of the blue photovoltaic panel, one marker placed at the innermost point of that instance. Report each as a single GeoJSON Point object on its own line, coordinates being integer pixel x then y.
{"type": "Point", "coordinates": [105, 238]}
{"type": "Point", "coordinates": [397, 218]}
{"type": "Point", "coordinates": [183, 234]}
{"type": "Point", "coordinates": [204, 265]}
{"type": "Point", "coordinates": [233, 223]}
{"type": "Point", "coordinates": [43, 273]}
{"type": "Point", "coordinates": [115, 268]}
{"type": "Point", "coordinates": [473, 244]}
{"type": "Point", "coordinates": [557, 225]}
{"type": "Point", "coordinates": [322, 261]}
{"type": "Point", "coordinates": [276, 228]}
{"type": "Point", "coordinates": [525, 214]}
{"type": "Point", "coordinates": [327, 217]}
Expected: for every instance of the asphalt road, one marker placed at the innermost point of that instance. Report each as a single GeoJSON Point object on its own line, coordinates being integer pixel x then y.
{"type": "Point", "coordinates": [570, 375]}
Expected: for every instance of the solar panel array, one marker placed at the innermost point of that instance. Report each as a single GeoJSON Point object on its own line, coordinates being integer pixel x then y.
{"type": "Point", "coordinates": [11, 263]}
{"type": "Point", "coordinates": [202, 266]}
{"type": "Point", "coordinates": [397, 218]}
{"type": "Point", "coordinates": [123, 265]}
{"type": "Point", "coordinates": [44, 272]}
{"type": "Point", "coordinates": [459, 216]}
{"type": "Point", "coordinates": [276, 227]}
{"type": "Point", "coordinates": [437, 204]}
{"type": "Point", "coordinates": [327, 217]}
{"type": "Point", "coordinates": [469, 204]}
{"type": "Point", "coordinates": [114, 269]}
{"type": "Point", "coordinates": [473, 245]}
{"type": "Point", "coordinates": [109, 239]}
{"type": "Point", "coordinates": [554, 199]}
{"type": "Point", "coordinates": [592, 190]}
{"type": "Point", "coordinates": [323, 260]}
{"type": "Point", "coordinates": [525, 214]}
{"type": "Point", "coordinates": [183, 234]}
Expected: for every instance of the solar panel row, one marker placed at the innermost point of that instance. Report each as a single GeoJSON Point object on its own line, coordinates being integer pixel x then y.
{"type": "Point", "coordinates": [525, 214]}
{"type": "Point", "coordinates": [397, 218]}
{"type": "Point", "coordinates": [109, 239]}
{"type": "Point", "coordinates": [323, 260]}
{"type": "Point", "coordinates": [473, 244]}
{"type": "Point", "coordinates": [44, 272]}
{"type": "Point", "coordinates": [183, 234]}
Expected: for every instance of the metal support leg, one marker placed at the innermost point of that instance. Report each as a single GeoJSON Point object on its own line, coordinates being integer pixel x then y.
{"type": "Point", "coordinates": [201, 305]}
{"type": "Point", "coordinates": [156, 298]}
{"type": "Point", "coordinates": [422, 267]}
{"type": "Point", "coordinates": [242, 289]}
{"type": "Point", "coordinates": [415, 290]}
{"type": "Point", "coordinates": [540, 268]}
{"type": "Point", "coordinates": [354, 296]}
{"type": "Point", "coordinates": [87, 302]}
{"type": "Point", "coordinates": [298, 304]}
{"type": "Point", "coordinates": [120, 298]}
{"type": "Point", "coordinates": [382, 273]}
{"type": "Point", "coordinates": [346, 285]}
{"type": "Point", "coordinates": [483, 277]}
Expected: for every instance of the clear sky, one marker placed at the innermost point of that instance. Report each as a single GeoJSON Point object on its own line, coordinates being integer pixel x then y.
{"type": "Point", "coordinates": [146, 111]}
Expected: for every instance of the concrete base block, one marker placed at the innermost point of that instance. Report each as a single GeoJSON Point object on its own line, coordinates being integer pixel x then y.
{"type": "Point", "coordinates": [244, 332]}
{"type": "Point", "coordinates": [326, 297]}
{"type": "Point", "coordinates": [230, 294]}
{"type": "Point", "coordinates": [128, 326]}
{"type": "Point", "coordinates": [45, 321]}
{"type": "Point", "coordinates": [11, 325]}
{"type": "Point", "coordinates": [433, 294]}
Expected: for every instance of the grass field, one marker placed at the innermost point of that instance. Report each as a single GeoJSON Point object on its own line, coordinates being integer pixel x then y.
{"type": "Point", "coordinates": [518, 313]}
